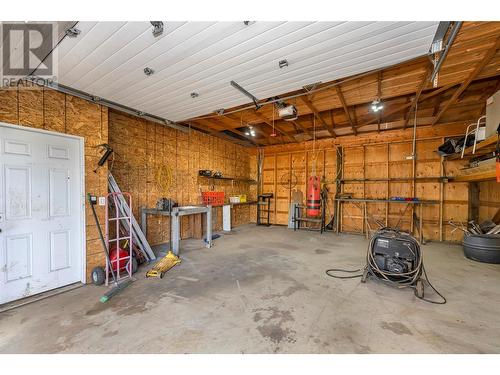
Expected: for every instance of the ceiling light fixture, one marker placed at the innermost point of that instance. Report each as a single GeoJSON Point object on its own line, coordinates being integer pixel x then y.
{"type": "Point", "coordinates": [283, 63]}
{"type": "Point", "coordinates": [148, 71]}
{"type": "Point", "coordinates": [194, 95]}
{"type": "Point", "coordinates": [376, 105]}
{"type": "Point", "coordinates": [72, 32]}
{"type": "Point", "coordinates": [157, 28]}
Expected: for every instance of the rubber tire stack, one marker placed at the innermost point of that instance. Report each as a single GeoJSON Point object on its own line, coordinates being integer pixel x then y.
{"type": "Point", "coordinates": [482, 247]}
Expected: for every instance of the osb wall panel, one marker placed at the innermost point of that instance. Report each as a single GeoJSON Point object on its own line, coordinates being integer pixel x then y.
{"type": "Point", "coordinates": [142, 147]}
{"type": "Point", "coordinates": [381, 156]}
{"type": "Point", "coordinates": [489, 199]}
{"type": "Point", "coordinates": [51, 110]}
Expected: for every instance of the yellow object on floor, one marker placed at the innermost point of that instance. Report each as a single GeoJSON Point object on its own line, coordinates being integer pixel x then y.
{"type": "Point", "coordinates": [163, 265]}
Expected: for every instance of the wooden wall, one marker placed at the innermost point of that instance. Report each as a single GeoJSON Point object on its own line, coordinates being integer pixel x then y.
{"type": "Point", "coordinates": [376, 156]}
{"type": "Point", "coordinates": [489, 199]}
{"type": "Point", "coordinates": [143, 146]}
{"type": "Point", "coordinates": [51, 110]}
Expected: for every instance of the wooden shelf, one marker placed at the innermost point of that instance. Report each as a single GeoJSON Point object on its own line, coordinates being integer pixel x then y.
{"type": "Point", "coordinates": [395, 179]}
{"type": "Point", "coordinates": [482, 148]}
{"type": "Point", "coordinates": [242, 203]}
{"type": "Point", "coordinates": [384, 201]}
{"type": "Point", "coordinates": [476, 177]}
{"type": "Point", "coordinates": [229, 179]}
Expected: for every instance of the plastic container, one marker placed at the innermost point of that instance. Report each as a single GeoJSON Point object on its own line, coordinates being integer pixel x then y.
{"type": "Point", "coordinates": [213, 198]}
{"type": "Point", "coordinates": [234, 199]}
{"type": "Point", "coordinates": [243, 198]}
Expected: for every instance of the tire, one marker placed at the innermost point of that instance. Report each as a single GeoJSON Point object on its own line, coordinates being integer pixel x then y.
{"type": "Point", "coordinates": [135, 265]}
{"type": "Point", "coordinates": [98, 276]}
{"type": "Point", "coordinates": [482, 247]}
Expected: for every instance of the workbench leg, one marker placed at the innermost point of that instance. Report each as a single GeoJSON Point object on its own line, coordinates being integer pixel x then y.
{"type": "Point", "coordinates": [175, 234]}
{"type": "Point", "coordinates": [209, 227]}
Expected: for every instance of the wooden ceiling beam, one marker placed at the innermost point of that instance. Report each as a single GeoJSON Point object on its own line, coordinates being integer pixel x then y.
{"type": "Point", "coordinates": [258, 130]}
{"type": "Point", "coordinates": [421, 86]}
{"type": "Point", "coordinates": [346, 109]}
{"type": "Point", "coordinates": [218, 123]}
{"type": "Point", "coordinates": [402, 107]}
{"type": "Point", "coordinates": [477, 70]}
{"type": "Point", "coordinates": [316, 114]}
{"type": "Point", "coordinates": [218, 134]}
{"type": "Point", "coordinates": [305, 130]}
{"type": "Point", "coordinates": [487, 93]}
{"type": "Point", "coordinates": [265, 120]}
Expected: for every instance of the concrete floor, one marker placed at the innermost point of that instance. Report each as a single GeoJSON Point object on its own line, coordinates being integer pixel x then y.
{"type": "Point", "coordinates": [264, 290]}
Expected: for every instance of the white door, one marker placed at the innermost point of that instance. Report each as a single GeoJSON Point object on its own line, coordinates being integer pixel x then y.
{"type": "Point", "coordinates": [41, 221]}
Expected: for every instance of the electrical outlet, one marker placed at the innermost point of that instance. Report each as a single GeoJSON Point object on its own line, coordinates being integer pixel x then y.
{"type": "Point", "coordinates": [102, 201]}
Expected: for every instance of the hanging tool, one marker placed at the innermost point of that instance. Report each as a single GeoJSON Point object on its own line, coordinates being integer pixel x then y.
{"type": "Point", "coordinates": [168, 261]}
{"type": "Point", "coordinates": [118, 287]}
{"type": "Point", "coordinates": [107, 153]}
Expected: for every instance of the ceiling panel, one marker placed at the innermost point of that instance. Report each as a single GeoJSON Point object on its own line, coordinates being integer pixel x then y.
{"type": "Point", "coordinates": [107, 59]}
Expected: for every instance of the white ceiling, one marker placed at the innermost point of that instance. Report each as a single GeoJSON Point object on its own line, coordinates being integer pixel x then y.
{"type": "Point", "coordinates": [107, 59]}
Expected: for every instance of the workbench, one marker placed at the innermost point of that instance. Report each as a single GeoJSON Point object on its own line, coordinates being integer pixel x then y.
{"type": "Point", "coordinates": [177, 212]}
{"type": "Point", "coordinates": [420, 203]}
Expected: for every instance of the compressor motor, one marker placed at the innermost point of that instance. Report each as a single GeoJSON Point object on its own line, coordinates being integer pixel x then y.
{"type": "Point", "coordinates": [395, 257]}
{"type": "Point", "coordinates": [394, 252]}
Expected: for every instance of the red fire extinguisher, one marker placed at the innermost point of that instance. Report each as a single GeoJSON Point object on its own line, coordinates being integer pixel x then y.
{"type": "Point", "coordinates": [313, 196]}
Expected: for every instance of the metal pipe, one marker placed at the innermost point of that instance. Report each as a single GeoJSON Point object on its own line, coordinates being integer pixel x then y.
{"type": "Point", "coordinates": [453, 35]}
{"type": "Point", "coordinates": [414, 151]}
{"type": "Point", "coordinates": [246, 93]}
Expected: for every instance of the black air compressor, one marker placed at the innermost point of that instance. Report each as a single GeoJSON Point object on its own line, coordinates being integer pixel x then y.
{"type": "Point", "coordinates": [395, 252]}
{"type": "Point", "coordinates": [395, 256]}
